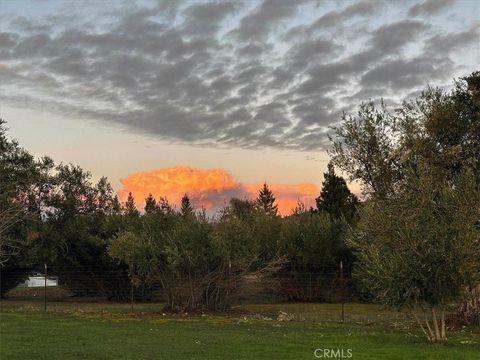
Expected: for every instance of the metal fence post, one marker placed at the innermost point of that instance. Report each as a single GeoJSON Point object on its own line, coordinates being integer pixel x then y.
{"type": "Point", "coordinates": [341, 280]}
{"type": "Point", "coordinates": [45, 290]}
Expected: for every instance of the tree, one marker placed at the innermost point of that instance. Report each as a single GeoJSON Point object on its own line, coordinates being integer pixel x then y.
{"type": "Point", "coordinates": [420, 250]}
{"type": "Point", "coordinates": [336, 198]}
{"type": "Point", "coordinates": [150, 204]}
{"type": "Point", "coordinates": [266, 201]}
{"type": "Point", "coordinates": [199, 264]}
{"type": "Point", "coordinates": [437, 133]}
{"type": "Point", "coordinates": [25, 182]}
{"type": "Point", "coordinates": [186, 208]}
{"type": "Point", "coordinates": [242, 209]}
{"type": "Point", "coordinates": [130, 208]}
{"type": "Point", "coordinates": [439, 128]}
{"type": "Point", "coordinates": [311, 244]}
{"type": "Point", "coordinates": [442, 129]}
{"type": "Point", "coordinates": [366, 146]}
{"type": "Point", "coordinates": [73, 237]}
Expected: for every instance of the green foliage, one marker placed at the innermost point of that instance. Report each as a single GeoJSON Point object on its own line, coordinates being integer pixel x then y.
{"type": "Point", "coordinates": [421, 248]}
{"type": "Point", "coordinates": [73, 239]}
{"type": "Point", "coordinates": [417, 241]}
{"type": "Point", "coordinates": [365, 146]}
{"type": "Point", "coordinates": [440, 129]}
{"type": "Point", "coordinates": [312, 244]}
{"type": "Point", "coordinates": [198, 263]}
{"type": "Point", "coordinates": [24, 187]}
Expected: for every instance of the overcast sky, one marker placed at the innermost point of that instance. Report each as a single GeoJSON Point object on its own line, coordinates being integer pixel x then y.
{"type": "Point", "coordinates": [249, 86]}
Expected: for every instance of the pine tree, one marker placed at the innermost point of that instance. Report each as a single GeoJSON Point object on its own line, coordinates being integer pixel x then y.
{"type": "Point", "coordinates": [164, 206]}
{"type": "Point", "coordinates": [116, 207]}
{"type": "Point", "coordinates": [186, 208]}
{"type": "Point", "coordinates": [266, 201]}
{"type": "Point", "coordinates": [130, 208]}
{"type": "Point", "coordinates": [336, 198]}
{"type": "Point", "coordinates": [150, 204]}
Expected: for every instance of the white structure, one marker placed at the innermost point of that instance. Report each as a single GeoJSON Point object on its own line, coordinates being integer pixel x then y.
{"type": "Point", "coordinates": [39, 280]}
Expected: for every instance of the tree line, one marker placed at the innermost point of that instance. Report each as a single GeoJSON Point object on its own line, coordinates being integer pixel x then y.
{"type": "Point", "coordinates": [98, 246]}
{"type": "Point", "coordinates": [412, 242]}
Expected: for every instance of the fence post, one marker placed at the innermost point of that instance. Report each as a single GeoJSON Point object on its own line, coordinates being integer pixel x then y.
{"type": "Point", "coordinates": [1, 299]}
{"type": "Point", "coordinates": [45, 290]}
{"type": "Point", "coordinates": [132, 296]}
{"type": "Point", "coordinates": [341, 281]}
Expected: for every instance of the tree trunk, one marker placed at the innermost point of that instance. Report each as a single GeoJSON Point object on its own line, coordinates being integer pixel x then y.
{"type": "Point", "coordinates": [432, 335]}
{"type": "Point", "coordinates": [435, 325]}
{"type": "Point", "coordinates": [421, 326]}
{"type": "Point", "coordinates": [444, 336]}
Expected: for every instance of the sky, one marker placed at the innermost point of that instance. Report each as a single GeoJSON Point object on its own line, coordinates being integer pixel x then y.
{"type": "Point", "coordinates": [213, 98]}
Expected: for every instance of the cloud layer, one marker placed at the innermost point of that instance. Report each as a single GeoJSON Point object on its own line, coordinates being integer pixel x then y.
{"type": "Point", "coordinates": [250, 74]}
{"type": "Point", "coordinates": [210, 188]}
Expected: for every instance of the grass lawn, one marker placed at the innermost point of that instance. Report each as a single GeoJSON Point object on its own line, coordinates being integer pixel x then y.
{"type": "Point", "coordinates": [108, 331]}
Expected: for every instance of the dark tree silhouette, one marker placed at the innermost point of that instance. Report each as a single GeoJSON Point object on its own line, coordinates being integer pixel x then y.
{"type": "Point", "coordinates": [336, 198]}
{"type": "Point", "coordinates": [150, 204]}
{"type": "Point", "coordinates": [266, 201]}
{"type": "Point", "coordinates": [130, 206]}
{"type": "Point", "coordinates": [186, 207]}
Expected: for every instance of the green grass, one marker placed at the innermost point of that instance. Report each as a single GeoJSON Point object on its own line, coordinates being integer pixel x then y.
{"type": "Point", "coordinates": [108, 331]}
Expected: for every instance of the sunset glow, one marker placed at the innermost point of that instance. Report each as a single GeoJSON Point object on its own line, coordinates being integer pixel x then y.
{"type": "Point", "coordinates": [209, 188]}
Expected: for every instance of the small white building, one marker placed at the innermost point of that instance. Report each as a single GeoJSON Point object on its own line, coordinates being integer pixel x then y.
{"type": "Point", "coordinates": [38, 280]}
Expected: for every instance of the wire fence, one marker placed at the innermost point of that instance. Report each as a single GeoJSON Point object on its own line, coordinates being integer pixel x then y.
{"type": "Point", "coordinates": [96, 285]}
{"type": "Point", "coordinates": [331, 294]}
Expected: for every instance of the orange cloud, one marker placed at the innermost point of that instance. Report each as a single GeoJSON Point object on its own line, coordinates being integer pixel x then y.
{"type": "Point", "coordinates": [210, 188]}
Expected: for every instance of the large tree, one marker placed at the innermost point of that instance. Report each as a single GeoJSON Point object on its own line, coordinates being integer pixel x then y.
{"type": "Point", "coordinates": [72, 239]}
{"type": "Point", "coordinates": [25, 182]}
{"type": "Point", "coordinates": [420, 250]}
{"type": "Point", "coordinates": [420, 221]}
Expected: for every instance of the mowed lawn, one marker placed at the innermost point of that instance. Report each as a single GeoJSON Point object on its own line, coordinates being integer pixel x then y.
{"type": "Point", "coordinates": [108, 331]}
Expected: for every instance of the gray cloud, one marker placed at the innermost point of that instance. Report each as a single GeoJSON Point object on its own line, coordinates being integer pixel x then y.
{"type": "Point", "coordinates": [205, 19]}
{"type": "Point", "coordinates": [446, 43]}
{"type": "Point", "coordinates": [402, 74]}
{"type": "Point", "coordinates": [334, 17]}
{"type": "Point", "coordinates": [394, 36]}
{"type": "Point", "coordinates": [258, 24]}
{"type": "Point", "coordinates": [234, 73]}
{"type": "Point", "coordinates": [429, 7]}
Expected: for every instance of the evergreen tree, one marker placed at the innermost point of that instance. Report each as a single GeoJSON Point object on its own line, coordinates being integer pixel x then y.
{"type": "Point", "coordinates": [186, 208]}
{"type": "Point", "coordinates": [130, 207]}
{"type": "Point", "coordinates": [116, 207]}
{"type": "Point", "coordinates": [266, 201]}
{"type": "Point", "coordinates": [150, 204]}
{"type": "Point", "coordinates": [164, 206]}
{"type": "Point", "coordinates": [336, 198]}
